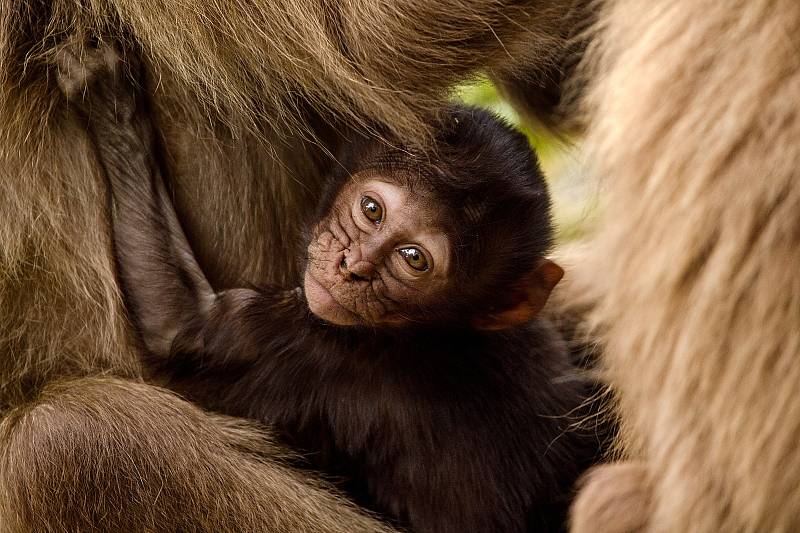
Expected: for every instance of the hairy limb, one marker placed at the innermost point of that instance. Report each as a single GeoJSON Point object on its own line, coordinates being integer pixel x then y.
{"type": "Point", "coordinates": [168, 295]}
{"type": "Point", "coordinates": [164, 285]}
{"type": "Point", "coordinates": [700, 293]}
{"type": "Point", "coordinates": [111, 455]}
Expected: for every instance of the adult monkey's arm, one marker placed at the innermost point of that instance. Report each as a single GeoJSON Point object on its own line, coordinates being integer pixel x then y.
{"type": "Point", "coordinates": [389, 62]}
{"type": "Point", "coordinates": [545, 83]}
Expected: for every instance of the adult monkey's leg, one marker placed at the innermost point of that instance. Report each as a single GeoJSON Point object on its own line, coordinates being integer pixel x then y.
{"type": "Point", "coordinates": [111, 455]}
{"type": "Point", "coordinates": [233, 84]}
{"type": "Point", "coordinates": [612, 498]}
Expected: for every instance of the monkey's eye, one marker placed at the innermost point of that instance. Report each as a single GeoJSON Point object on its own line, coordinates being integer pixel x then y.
{"type": "Point", "coordinates": [414, 257]}
{"type": "Point", "coordinates": [372, 209]}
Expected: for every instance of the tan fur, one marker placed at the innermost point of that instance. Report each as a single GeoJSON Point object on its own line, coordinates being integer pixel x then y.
{"type": "Point", "coordinates": [695, 128]}
{"type": "Point", "coordinates": [614, 499]}
{"type": "Point", "coordinates": [250, 98]}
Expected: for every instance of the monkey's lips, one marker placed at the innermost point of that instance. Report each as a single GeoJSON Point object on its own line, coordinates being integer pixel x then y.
{"type": "Point", "coordinates": [324, 305]}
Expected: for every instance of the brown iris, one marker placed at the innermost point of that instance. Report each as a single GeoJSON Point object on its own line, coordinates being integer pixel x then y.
{"type": "Point", "coordinates": [372, 209]}
{"type": "Point", "coordinates": [414, 257]}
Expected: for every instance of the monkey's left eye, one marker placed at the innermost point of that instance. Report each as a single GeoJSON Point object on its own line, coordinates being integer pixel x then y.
{"type": "Point", "coordinates": [414, 257]}
{"type": "Point", "coordinates": [372, 209]}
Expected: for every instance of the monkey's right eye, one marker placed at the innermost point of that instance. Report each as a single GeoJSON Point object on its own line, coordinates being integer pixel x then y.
{"type": "Point", "coordinates": [372, 209]}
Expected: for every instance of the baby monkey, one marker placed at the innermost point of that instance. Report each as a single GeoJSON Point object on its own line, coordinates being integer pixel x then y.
{"type": "Point", "coordinates": [411, 363]}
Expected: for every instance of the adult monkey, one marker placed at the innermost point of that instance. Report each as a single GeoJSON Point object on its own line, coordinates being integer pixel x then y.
{"type": "Point", "coordinates": [250, 97]}
{"type": "Point", "coordinates": [695, 121]}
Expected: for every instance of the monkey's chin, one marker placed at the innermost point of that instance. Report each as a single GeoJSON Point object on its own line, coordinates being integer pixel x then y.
{"type": "Point", "coordinates": [324, 305]}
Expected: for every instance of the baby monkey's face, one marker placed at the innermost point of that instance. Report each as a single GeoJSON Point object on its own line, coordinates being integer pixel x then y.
{"type": "Point", "coordinates": [380, 256]}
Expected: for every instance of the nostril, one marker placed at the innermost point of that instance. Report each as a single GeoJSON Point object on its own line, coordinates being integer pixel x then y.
{"type": "Point", "coordinates": [348, 272]}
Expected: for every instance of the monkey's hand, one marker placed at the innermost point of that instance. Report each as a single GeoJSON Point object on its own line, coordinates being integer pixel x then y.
{"type": "Point", "coordinates": [96, 79]}
{"type": "Point", "coordinates": [613, 498]}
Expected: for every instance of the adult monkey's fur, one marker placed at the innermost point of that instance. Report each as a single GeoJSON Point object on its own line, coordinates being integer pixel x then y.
{"type": "Point", "coordinates": [87, 440]}
{"type": "Point", "coordinates": [695, 125]}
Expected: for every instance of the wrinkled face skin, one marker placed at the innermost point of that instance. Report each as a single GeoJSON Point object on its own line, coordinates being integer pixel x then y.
{"type": "Point", "coordinates": [378, 258]}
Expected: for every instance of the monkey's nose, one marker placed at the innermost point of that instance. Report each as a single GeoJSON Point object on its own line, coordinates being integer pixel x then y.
{"type": "Point", "coordinates": [358, 270]}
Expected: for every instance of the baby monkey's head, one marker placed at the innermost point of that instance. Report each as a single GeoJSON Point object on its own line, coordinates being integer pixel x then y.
{"type": "Point", "coordinates": [456, 235]}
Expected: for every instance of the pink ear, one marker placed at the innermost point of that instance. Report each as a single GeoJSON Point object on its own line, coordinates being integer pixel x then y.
{"type": "Point", "coordinates": [534, 291]}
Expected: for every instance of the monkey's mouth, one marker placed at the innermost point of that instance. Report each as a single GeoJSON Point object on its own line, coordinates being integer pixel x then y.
{"type": "Point", "coordinates": [323, 304]}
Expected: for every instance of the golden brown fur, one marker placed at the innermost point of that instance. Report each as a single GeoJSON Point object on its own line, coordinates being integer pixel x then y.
{"type": "Point", "coordinates": [250, 97]}
{"type": "Point", "coordinates": [168, 479]}
{"type": "Point", "coordinates": [695, 126]}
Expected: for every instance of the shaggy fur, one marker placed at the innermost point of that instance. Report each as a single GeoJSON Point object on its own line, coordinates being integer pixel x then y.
{"type": "Point", "coordinates": [249, 95]}
{"type": "Point", "coordinates": [695, 126]}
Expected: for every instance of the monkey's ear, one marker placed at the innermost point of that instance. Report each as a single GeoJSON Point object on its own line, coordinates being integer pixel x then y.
{"type": "Point", "coordinates": [534, 291]}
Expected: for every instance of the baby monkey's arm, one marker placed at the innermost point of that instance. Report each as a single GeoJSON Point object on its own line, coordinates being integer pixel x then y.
{"type": "Point", "coordinates": [165, 289]}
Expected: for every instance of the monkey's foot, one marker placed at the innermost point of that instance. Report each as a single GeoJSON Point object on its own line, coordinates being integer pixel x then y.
{"type": "Point", "coordinates": [613, 498]}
